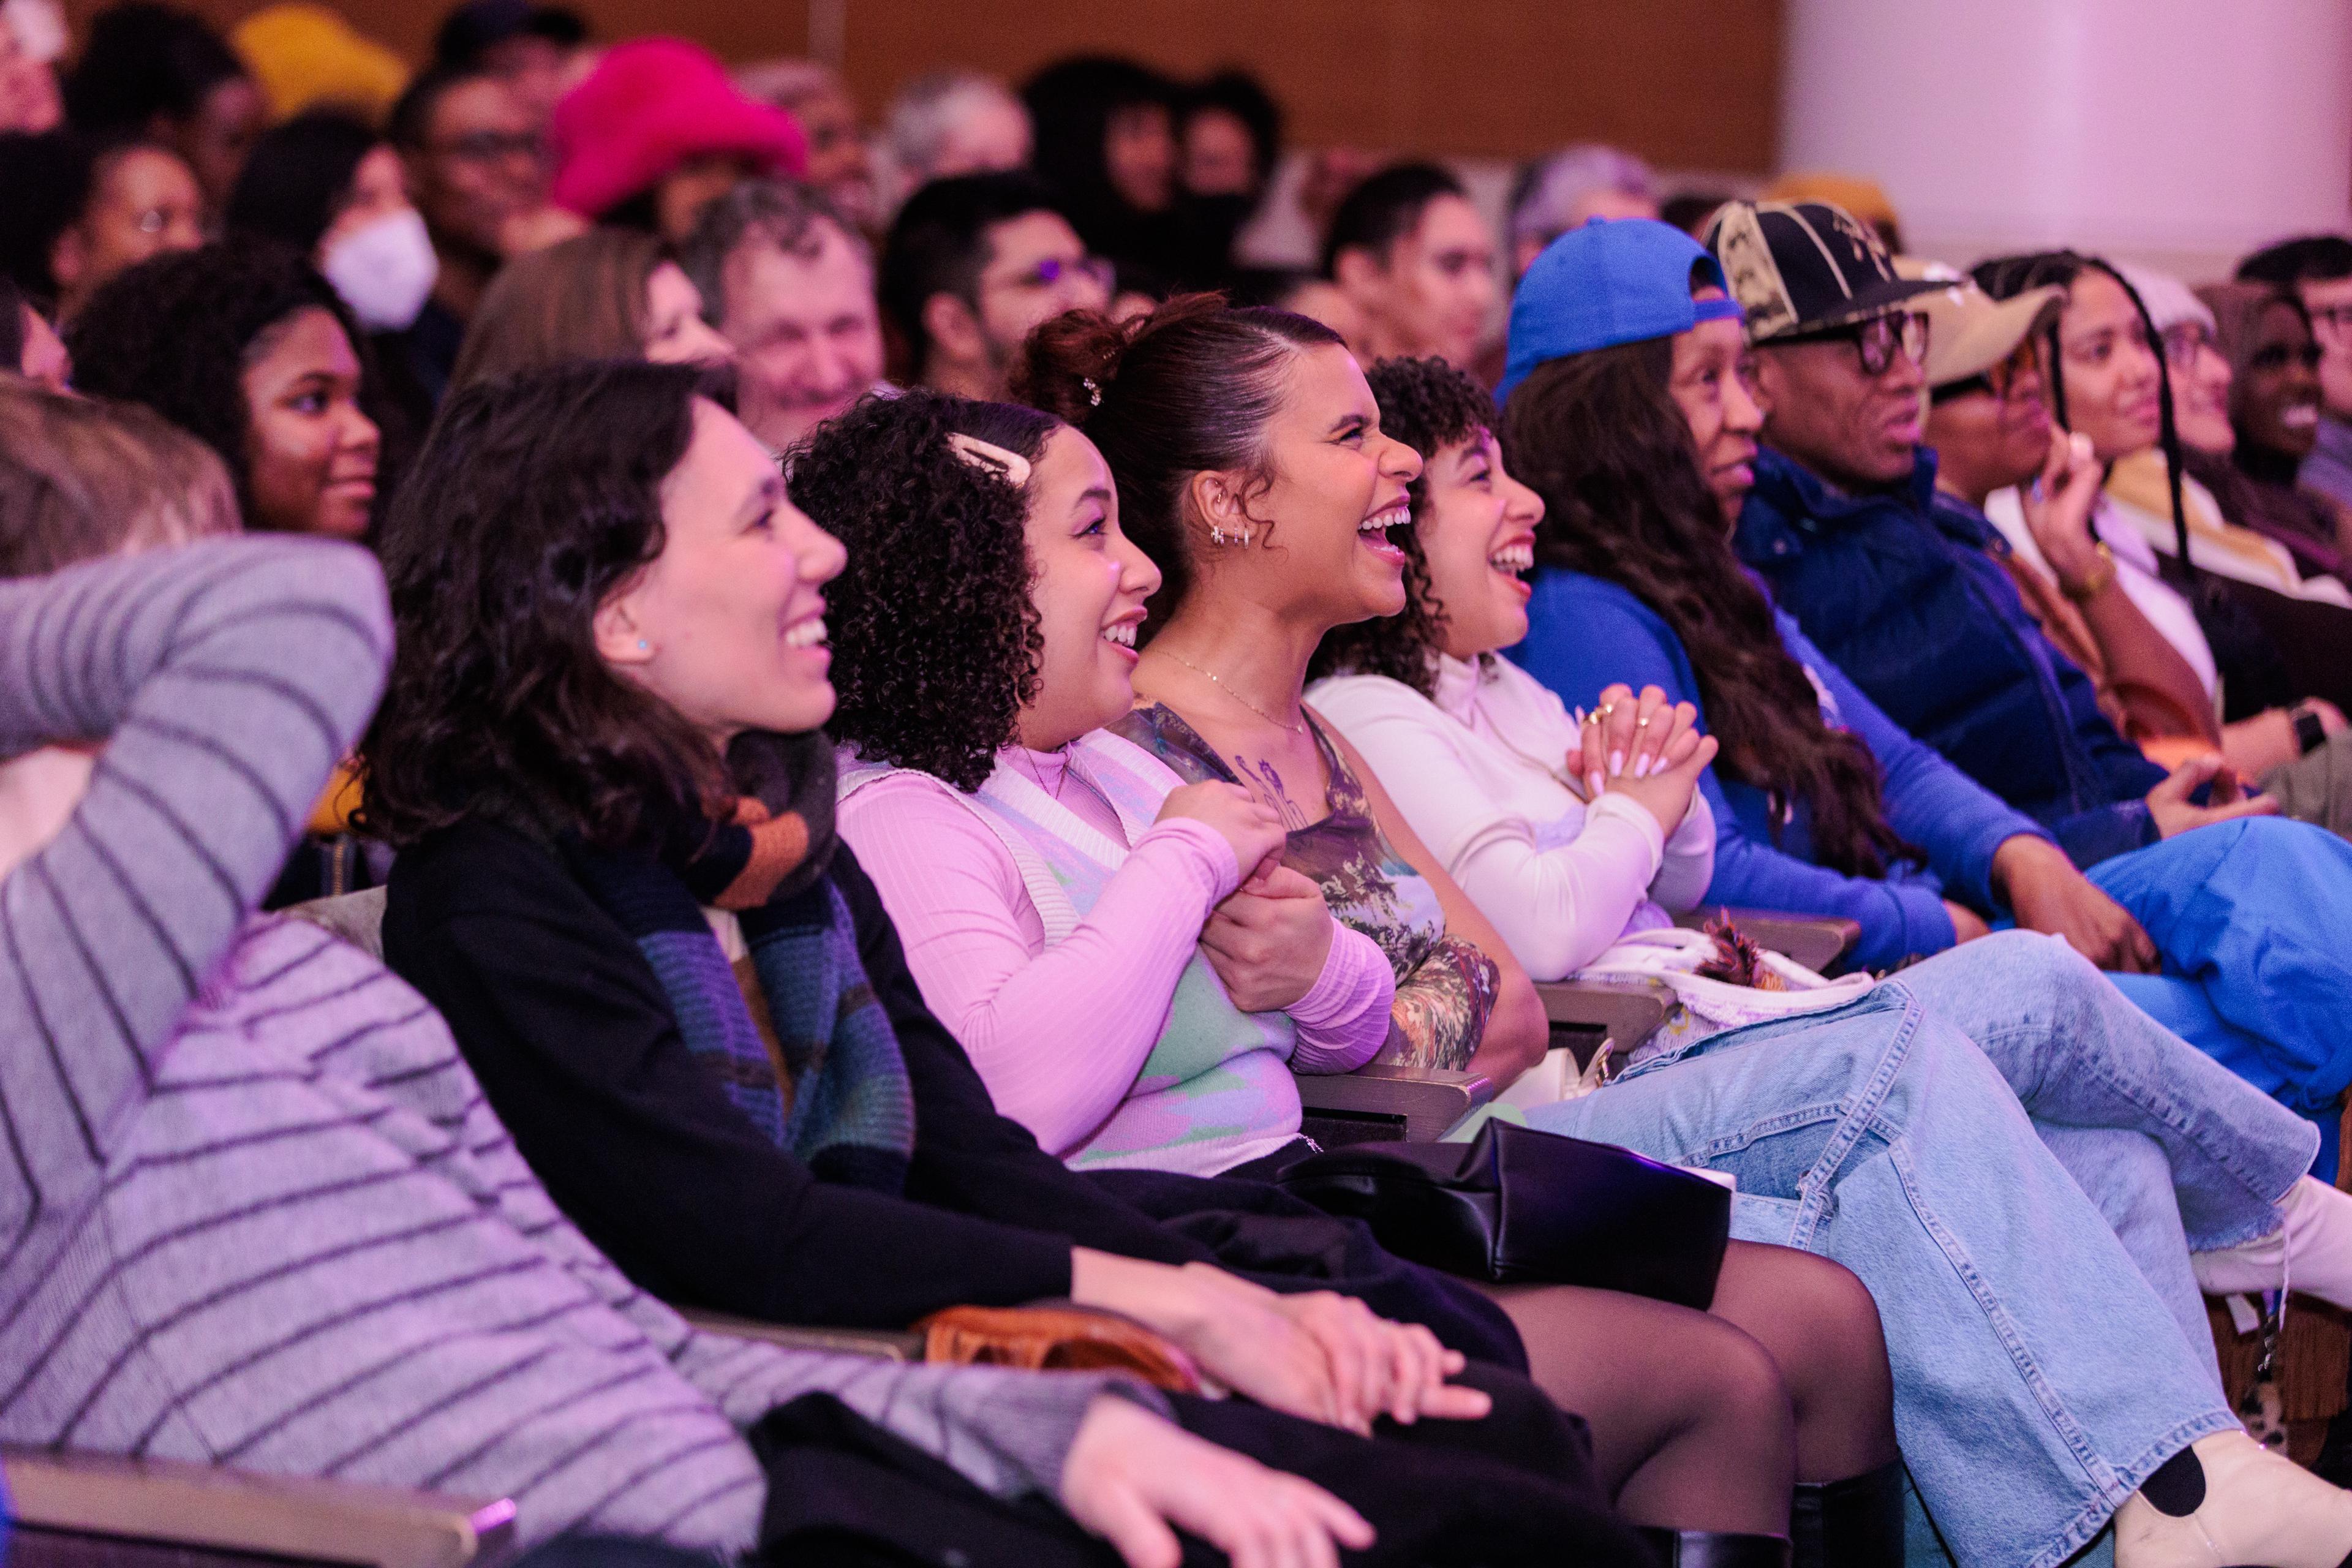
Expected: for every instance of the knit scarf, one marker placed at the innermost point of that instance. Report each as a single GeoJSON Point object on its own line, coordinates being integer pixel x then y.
{"type": "Point", "coordinates": [833, 1091]}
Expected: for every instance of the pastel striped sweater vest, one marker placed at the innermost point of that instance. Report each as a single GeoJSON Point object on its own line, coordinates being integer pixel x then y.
{"type": "Point", "coordinates": [1216, 1091]}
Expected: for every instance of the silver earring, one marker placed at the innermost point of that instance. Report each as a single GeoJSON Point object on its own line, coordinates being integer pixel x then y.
{"type": "Point", "coordinates": [1216, 534]}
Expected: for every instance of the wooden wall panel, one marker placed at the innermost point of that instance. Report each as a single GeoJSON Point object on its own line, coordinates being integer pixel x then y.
{"type": "Point", "coordinates": [1688, 83]}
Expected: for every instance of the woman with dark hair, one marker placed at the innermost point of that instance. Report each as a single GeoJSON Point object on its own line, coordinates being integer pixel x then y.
{"type": "Point", "coordinates": [155, 72]}
{"type": "Point", "coordinates": [2263, 333]}
{"type": "Point", "coordinates": [75, 212]}
{"type": "Point", "coordinates": [1106, 139]}
{"type": "Point", "coordinates": [1639, 446]}
{"type": "Point", "coordinates": [244, 346]}
{"type": "Point", "coordinates": [620, 883]}
{"type": "Point", "coordinates": [325, 185]}
{"type": "Point", "coordinates": [1130, 964]}
{"type": "Point", "coordinates": [611, 294]}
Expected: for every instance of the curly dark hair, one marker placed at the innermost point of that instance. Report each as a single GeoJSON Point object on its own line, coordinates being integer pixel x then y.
{"type": "Point", "coordinates": [1429, 405]}
{"type": "Point", "coordinates": [176, 332]}
{"type": "Point", "coordinates": [935, 638]}
{"type": "Point", "coordinates": [1597, 435]}
{"type": "Point", "coordinates": [536, 497]}
{"type": "Point", "coordinates": [1187, 389]}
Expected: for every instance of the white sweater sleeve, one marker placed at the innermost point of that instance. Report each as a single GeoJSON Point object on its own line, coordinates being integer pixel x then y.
{"type": "Point", "coordinates": [1557, 907]}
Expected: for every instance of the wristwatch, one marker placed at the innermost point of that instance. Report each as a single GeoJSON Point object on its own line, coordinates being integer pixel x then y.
{"type": "Point", "coordinates": [2310, 735]}
{"type": "Point", "coordinates": [2101, 575]}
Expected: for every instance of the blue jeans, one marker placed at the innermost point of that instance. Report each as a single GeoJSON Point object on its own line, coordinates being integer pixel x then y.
{"type": "Point", "coordinates": [2254, 920]}
{"type": "Point", "coordinates": [2042, 1366]}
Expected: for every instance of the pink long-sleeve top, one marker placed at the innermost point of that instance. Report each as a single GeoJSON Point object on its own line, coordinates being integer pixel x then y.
{"type": "Point", "coordinates": [1060, 1034]}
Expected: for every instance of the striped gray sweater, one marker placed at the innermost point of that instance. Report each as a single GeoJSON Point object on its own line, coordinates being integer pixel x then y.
{"type": "Point", "coordinates": [254, 1210]}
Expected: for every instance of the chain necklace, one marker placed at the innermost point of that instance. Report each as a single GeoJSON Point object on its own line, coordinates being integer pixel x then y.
{"type": "Point", "coordinates": [1021, 755]}
{"type": "Point", "coordinates": [1210, 676]}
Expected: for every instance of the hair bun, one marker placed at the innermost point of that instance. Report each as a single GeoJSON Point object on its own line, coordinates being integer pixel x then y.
{"type": "Point", "coordinates": [1066, 363]}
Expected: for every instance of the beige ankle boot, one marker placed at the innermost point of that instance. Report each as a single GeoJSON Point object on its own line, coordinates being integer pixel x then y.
{"type": "Point", "coordinates": [2260, 1512]}
{"type": "Point", "coordinates": [2312, 1250]}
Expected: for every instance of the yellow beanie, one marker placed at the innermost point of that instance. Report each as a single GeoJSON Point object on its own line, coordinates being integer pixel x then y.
{"type": "Point", "coordinates": [305, 55]}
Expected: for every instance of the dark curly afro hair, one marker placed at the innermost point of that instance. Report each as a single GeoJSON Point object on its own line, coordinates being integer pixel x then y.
{"type": "Point", "coordinates": [935, 638]}
{"type": "Point", "coordinates": [1429, 405]}
{"type": "Point", "coordinates": [176, 332]}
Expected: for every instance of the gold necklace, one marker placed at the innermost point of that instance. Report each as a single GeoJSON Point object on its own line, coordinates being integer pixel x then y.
{"type": "Point", "coordinates": [1277, 723]}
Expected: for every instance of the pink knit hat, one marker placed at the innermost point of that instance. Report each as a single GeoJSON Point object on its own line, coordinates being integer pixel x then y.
{"type": "Point", "coordinates": [650, 105]}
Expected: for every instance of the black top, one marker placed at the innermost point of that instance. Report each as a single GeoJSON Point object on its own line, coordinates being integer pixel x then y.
{"type": "Point", "coordinates": [573, 1041]}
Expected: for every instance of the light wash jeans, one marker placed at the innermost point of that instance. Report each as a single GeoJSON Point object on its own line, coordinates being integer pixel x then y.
{"type": "Point", "coordinates": [2042, 1366]}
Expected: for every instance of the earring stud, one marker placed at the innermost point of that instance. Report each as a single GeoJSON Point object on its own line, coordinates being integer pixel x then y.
{"type": "Point", "coordinates": [644, 647]}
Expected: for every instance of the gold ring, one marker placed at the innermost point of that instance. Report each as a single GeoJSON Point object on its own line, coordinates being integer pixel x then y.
{"type": "Point", "coordinates": [1605, 711]}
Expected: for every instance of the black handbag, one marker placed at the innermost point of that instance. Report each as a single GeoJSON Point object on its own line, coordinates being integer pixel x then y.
{"type": "Point", "coordinates": [1519, 1206]}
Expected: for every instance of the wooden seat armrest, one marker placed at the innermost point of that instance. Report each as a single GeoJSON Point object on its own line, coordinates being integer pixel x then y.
{"type": "Point", "coordinates": [241, 1514]}
{"type": "Point", "coordinates": [1817, 941]}
{"type": "Point", "coordinates": [1583, 1012]}
{"type": "Point", "coordinates": [879, 1344]}
{"type": "Point", "coordinates": [1425, 1100]}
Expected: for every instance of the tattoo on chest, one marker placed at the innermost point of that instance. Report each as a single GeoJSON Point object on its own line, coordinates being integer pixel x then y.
{"type": "Point", "coordinates": [1263, 779]}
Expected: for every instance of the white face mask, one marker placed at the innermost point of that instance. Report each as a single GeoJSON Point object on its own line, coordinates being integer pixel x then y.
{"type": "Point", "coordinates": [383, 270]}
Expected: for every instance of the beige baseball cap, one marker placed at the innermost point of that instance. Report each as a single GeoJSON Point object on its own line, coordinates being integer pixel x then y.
{"type": "Point", "coordinates": [1968, 330]}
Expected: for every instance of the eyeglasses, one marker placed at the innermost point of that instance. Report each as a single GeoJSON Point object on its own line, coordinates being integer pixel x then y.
{"type": "Point", "coordinates": [2183, 342]}
{"type": "Point", "coordinates": [1053, 270]}
{"type": "Point", "coordinates": [488, 146]}
{"type": "Point", "coordinates": [1876, 340]}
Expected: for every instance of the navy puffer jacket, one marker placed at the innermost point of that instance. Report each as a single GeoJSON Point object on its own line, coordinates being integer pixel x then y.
{"type": "Point", "coordinates": [1905, 591]}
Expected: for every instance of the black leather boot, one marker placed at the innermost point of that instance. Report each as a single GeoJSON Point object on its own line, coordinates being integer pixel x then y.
{"type": "Point", "coordinates": [1716, 1548]}
{"type": "Point", "coordinates": [1853, 1524]}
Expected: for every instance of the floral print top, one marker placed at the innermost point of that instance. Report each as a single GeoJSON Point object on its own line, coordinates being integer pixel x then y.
{"type": "Point", "coordinates": [1446, 986]}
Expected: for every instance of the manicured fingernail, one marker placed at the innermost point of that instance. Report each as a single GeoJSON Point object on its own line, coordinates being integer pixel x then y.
{"type": "Point", "coordinates": [1593, 779]}
{"type": "Point", "coordinates": [1617, 762]}
{"type": "Point", "coordinates": [1644, 768]}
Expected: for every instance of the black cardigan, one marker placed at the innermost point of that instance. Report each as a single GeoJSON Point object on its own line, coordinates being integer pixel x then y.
{"type": "Point", "coordinates": [573, 1041]}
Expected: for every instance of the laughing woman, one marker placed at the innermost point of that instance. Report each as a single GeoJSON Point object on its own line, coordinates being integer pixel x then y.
{"type": "Point", "coordinates": [1135, 972]}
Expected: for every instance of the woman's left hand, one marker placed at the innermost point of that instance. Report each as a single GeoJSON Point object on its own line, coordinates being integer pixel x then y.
{"type": "Point", "coordinates": [1269, 940]}
{"type": "Point", "coordinates": [1377, 1368]}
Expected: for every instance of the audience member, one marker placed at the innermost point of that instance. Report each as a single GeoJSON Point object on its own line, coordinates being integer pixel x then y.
{"type": "Point", "coordinates": [154, 71]}
{"type": "Point", "coordinates": [329, 188]}
{"type": "Point", "coordinates": [789, 283]}
{"type": "Point", "coordinates": [656, 133]}
{"type": "Point", "coordinates": [74, 213]}
{"type": "Point", "coordinates": [1229, 137]}
{"type": "Point", "coordinates": [30, 101]}
{"type": "Point", "coordinates": [1105, 141]}
{"type": "Point", "coordinates": [548, 898]}
{"type": "Point", "coordinates": [304, 56]}
{"type": "Point", "coordinates": [1096, 1006]}
{"type": "Point", "coordinates": [1414, 256]}
{"type": "Point", "coordinates": [2264, 335]}
{"type": "Point", "coordinates": [2319, 270]}
{"type": "Point", "coordinates": [1990, 427]}
{"type": "Point", "coordinates": [28, 345]}
{"type": "Point", "coordinates": [247, 348]}
{"type": "Point", "coordinates": [2108, 380]}
{"type": "Point", "coordinates": [84, 477]}
{"type": "Point", "coordinates": [971, 266]}
{"type": "Point", "coordinates": [1570, 188]}
{"type": "Point", "coordinates": [540, 51]}
{"type": "Point", "coordinates": [951, 122]}
{"type": "Point", "coordinates": [241, 1054]}
{"type": "Point", "coordinates": [1483, 759]}
{"type": "Point", "coordinates": [474, 162]}
{"type": "Point", "coordinates": [1935, 636]}
{"type": "Point", "coordinates": [1306, 294]}
{"type": "Point", "coordinates": [818, 100]}
{"type": "Point", "coordinates": [610, 293]}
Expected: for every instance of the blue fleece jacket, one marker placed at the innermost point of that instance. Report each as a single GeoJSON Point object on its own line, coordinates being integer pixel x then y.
{"type": "Point", "coordinates": [1905, 589]}
{"type": "Point", "coordinates": [1584, 633]}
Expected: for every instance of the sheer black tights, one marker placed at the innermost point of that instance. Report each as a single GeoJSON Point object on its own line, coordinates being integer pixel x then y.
{"type": "Point", "coordinates": [1703, 1420]}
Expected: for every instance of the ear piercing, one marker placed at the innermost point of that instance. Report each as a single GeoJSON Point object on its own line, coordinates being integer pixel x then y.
{"type": "Point", "coordinates": [1217, 535]}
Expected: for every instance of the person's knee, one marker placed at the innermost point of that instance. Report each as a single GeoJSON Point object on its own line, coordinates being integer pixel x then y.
{"type": "Point", "coordinates": [1739, 1387]}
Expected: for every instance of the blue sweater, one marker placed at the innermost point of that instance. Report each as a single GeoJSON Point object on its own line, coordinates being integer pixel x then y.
{"type": "Point", "coordinates": [1584, 633]}
{"type": "Point", "coordinates": [1904, 588]}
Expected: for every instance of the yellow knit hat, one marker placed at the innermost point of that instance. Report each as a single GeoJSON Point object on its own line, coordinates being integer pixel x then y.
{"type": "Point", "coordinates": [304, 55]}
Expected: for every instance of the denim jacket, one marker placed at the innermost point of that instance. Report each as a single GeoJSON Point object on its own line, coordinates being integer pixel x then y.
{"type": "Point", "coordinates": [1904, 590]}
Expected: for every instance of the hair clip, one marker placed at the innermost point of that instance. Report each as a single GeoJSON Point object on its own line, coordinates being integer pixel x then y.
{"type": "Point", "coordinates": [1094, 392]}
{"type": "Point", "coordinates": [991, 458]}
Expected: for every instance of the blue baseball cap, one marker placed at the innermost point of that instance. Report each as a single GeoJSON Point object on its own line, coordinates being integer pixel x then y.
{"type": "Point", "coordinates": [1615, 281]}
